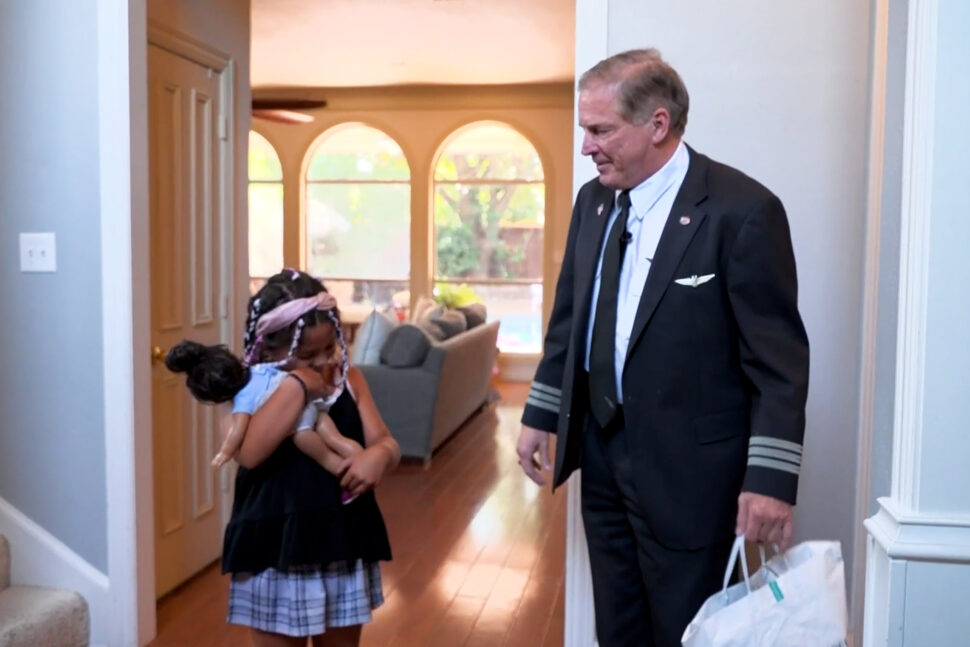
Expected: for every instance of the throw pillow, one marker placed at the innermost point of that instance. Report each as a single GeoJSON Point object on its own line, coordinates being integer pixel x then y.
{"type": "Point", "coordinates": [426, 322]}
{"type": "Point", "coordinates": [475, 314]}
{"type": "Point", "coordinates": [370, 338]}
{"type": "Point", "coordinates": [422, 305]}
{"type": "Point", "coordinates": [406, 346]}
{"type": "Point", "coordinates": [451, 322]}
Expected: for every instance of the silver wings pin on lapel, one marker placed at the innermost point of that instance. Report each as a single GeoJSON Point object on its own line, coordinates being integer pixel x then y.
{"type": "Point", "coordinates": [599, 210]}
{"type": "Point", "coordinates": [694, 280]}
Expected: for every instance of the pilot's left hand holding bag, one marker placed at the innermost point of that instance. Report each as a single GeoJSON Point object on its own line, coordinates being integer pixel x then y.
{"type": "Point", "coordinates": [795, 599]}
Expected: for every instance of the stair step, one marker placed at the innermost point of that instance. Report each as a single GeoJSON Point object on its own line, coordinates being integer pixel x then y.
{"type": "Point", "coordinates": [33, 615]}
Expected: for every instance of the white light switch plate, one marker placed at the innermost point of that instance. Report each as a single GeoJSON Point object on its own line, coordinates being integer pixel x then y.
{"type": "Point", "coordinates": [38, 252]}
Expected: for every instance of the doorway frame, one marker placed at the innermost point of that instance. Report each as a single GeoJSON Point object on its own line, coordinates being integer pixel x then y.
{"type": "Point", "coordinates": [123, 139]}
{"type": "Point", "coordinates": [124, 34]}
{"type": "Point", "coordinates": [123, 120]}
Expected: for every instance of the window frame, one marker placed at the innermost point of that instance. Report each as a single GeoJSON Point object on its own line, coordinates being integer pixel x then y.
{"type": "Point", "coordinates": [313, 149]}
{"type": "Point", "coordinates": [432, 261]}
{"type": "Point", "coordinates": [252, 280]}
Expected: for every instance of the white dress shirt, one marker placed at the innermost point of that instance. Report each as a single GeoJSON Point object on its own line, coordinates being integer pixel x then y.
{"type": "Point", "coordinates": [650, 204]}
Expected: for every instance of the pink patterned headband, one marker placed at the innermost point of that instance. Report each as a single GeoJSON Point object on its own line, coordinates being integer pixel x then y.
{"type": "Point", "coordinates": [283, 315]}
{"type": "Point", "coordinates": [286, 314]}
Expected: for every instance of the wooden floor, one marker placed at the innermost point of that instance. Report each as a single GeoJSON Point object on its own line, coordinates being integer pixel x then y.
{"type": "Point", "coordinates": [478, 553]}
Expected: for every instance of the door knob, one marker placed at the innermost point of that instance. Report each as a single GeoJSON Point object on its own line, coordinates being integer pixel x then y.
{"type": "Point", "coordinates": [158, 354]}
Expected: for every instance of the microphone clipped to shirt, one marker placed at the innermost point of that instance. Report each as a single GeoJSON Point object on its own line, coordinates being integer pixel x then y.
{"type": "Point", "coordinates": [625, 239]}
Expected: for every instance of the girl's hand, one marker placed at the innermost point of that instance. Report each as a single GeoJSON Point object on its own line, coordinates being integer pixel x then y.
{"type": "Point", "coordinates": [365, 469]}
{"type": "Point", "coordinates": [315, 384]}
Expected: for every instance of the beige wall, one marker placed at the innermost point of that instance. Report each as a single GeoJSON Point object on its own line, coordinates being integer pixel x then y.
{"type": "Point", "coordinates": [420, 118]}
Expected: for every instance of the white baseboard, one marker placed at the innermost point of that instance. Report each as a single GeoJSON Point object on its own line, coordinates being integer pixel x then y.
{"type": "Point", "coordinates": [37, 558]}
{"type": "Point", "coordinates": [897, 541]}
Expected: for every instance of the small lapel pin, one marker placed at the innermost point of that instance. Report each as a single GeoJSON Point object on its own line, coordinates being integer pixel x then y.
{"type": "Point", "coordinates": [685, 220]}
{"type": "Point", "coordinates": [599, 210]}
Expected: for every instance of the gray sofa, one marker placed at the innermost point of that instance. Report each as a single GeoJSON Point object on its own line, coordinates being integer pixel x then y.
{"type": "Point", "coordinates": [424, 405]}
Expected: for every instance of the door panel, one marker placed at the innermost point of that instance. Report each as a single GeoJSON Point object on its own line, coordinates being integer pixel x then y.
{"type": "Point", "coordinates": [186, 262]}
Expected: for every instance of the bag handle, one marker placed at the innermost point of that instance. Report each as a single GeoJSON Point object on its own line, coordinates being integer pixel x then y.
{"type": "Point", "coordinates": [764, 559]}
{"type": "Point", "coordinates": [737, 549]}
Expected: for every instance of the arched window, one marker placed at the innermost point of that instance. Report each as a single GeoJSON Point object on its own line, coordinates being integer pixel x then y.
{"type": "Point", "coordinates": [489, 213]}
{"type": "Point", "coordinates": [265, 211]}
{"type": "Point", "coordinates": [358, 215]}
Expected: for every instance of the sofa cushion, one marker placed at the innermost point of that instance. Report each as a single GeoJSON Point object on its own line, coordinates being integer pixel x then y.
{"type": "Point", "coordinates": [475, 314]}
{"type": "Point", "coordinates": [450, 323]}
{"type": "Point", "coordinates": [406, 345]}
{"type": "Point", "coordinates": [370, 338]}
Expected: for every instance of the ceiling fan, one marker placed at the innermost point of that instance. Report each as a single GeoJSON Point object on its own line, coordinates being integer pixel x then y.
{"type": "Point", "coordinates": [286, 111]}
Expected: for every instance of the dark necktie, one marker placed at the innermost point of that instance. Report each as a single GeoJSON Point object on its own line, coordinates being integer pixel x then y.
{"type": "Point", "coordinates": [602, 367]}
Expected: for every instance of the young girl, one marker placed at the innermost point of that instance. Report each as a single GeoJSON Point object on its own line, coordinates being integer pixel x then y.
{"type": "Point", "coordinates": [272, 343]}
{"type": "Point", "coordinates": [302, 564]}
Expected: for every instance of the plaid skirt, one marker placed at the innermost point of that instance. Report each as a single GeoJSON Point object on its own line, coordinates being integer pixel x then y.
{"type": "Point", "coordinates": [305, 600]}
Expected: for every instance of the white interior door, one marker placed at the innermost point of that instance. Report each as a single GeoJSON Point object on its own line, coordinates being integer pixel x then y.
{"type": "Point", "coordinates": [185, 113]}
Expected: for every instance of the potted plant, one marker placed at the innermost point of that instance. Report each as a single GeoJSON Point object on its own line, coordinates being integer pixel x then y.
{"type": "Point", "coordinates": [454, 296]}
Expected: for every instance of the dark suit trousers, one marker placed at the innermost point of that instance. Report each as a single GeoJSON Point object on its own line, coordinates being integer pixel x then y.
{"type": "Point", "coordinates": [644, 593]}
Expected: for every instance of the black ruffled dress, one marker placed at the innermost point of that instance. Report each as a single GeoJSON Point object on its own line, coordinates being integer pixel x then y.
{"type": "Point", "coordinates": [287, 511]}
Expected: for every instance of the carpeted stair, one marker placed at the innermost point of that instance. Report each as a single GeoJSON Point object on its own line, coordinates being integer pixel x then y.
{"type": "Point", "coordinates": [33, 616]}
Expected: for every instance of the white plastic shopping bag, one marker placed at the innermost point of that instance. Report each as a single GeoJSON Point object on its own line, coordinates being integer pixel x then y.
{"type": "Point", "coordinates": [796, 599]}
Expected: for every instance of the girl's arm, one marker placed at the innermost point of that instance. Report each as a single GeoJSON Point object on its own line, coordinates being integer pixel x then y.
{"type": "Point", "coordinates": [335, 441]}
{"type": "Point", "coordinates": [273, 422]}
{"type": "Point", "coordinates": [310, 443]}
{"type": "Point", "coordinates": [317, 437]}
{"type": "Point", "coordinates": [382, 453]}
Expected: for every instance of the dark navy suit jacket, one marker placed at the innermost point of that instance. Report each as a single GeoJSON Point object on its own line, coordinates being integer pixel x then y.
{"type": "Point", "coordinates": [716, 375]}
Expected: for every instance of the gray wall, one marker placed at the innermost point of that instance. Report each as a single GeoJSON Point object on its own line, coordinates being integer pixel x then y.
{"type": "Point", "coordinates": [52, 452]}
{"type": "Point", "coordinates": [919, 590]}
{"type": "Point", "coordinates": [935, 610]}
{"type": "Point", "coordinates": [884, 397]}
{"type": "Point", "coordinates": [780, 91]}
{"type": "Point", "coordinates": [947, 307]}
{"type": "Point", "coordinates": [944, 479]}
